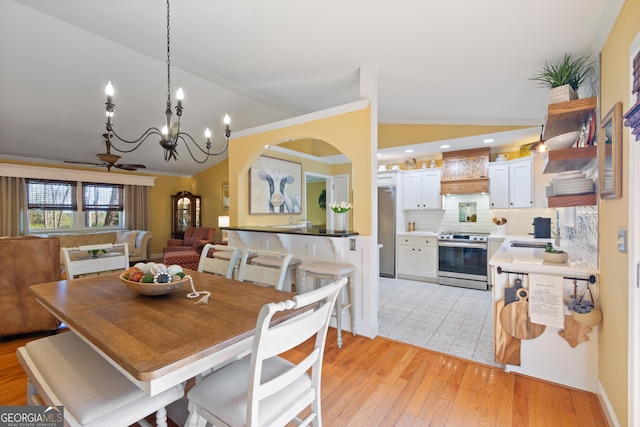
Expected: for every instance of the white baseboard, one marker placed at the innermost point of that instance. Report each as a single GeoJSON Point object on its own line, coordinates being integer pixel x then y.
{"type": "Point", "coordinates": [609, 413]}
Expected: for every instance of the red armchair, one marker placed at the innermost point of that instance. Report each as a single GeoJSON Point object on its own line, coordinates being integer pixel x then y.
{"type": "Point", "coordinates": [194, 240]}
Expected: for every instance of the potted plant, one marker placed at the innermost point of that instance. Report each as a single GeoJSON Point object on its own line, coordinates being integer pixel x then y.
{"type": "Point", "coordinates": [584, 310]}
{"type": "Point", "coordinates": [95, 252]}
{"type": "Point", "coordinates": [564, 77]}
{"type": "Point", "coordinates": [554, 255]}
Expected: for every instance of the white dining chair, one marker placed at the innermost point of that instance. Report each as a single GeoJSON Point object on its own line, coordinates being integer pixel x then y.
{"type": "Point", "coordinates": [62, 370]}
{"type": "Point", "coordinates": [266, 389]}
{"type": "Point", "coordinates": [221, 265]}
{"type": "Point", "coordinates": [80, 261]}
{"type": "Point", "coordinates": [261, 274]}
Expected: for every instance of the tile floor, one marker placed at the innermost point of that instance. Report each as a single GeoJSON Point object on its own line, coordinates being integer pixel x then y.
{"type": "Point", "coordinates": [451, 320]}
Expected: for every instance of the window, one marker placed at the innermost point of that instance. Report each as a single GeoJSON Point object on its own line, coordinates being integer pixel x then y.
{"type": "Point", "coordinates": [54, 204]}
{"type": "Point", "coordinates": [102, 204]}
{"type": "Point", "coordinates": [51, 203]}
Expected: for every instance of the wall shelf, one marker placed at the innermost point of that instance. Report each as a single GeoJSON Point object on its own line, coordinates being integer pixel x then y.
{"type": "Point", "coordinates": [563, 117]}
{"type": "Point", "coordinates": [568, 159]}
{"type": "Point", "coordinates": [573, 200]}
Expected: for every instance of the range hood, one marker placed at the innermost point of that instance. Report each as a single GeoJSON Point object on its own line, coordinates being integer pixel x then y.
{"type": "Point", "coordinates": [465, 172]}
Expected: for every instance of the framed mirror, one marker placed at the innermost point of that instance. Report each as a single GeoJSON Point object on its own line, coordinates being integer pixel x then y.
{"type": "Point", "coordinates": [610, 154]}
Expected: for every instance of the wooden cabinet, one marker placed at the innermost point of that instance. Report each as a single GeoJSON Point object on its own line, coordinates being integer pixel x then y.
{"type": "Point", "coordinates": [418, 257]}
{"type": "Point", "coordinates": [422, 190]}
{"type": "Point", "coordinates": [185, 209]}
{"type": "Point", "coordinates": [511, 184]}
{"type": "Point", "coordinates": [466, 164]}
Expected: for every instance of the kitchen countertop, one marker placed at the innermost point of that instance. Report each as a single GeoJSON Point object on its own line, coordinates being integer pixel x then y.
{"type": "Point", "coordinates": [418, 233]}
{"type": "Point", "coordinates": [529, 260]}
{"type": "Point", "coordinates": [293, 229]}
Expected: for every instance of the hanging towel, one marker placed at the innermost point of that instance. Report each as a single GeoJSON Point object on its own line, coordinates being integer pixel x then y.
{"type": "Point", "coordinates": [546, 300]}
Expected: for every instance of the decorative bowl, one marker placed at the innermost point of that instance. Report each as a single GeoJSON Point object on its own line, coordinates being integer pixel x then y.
{"type": "Point", "coordinates": [153, 288]}
{"type": "Point", "coordinates": [558, 258]}
{"type": "Point", "coordinates": [565, 140]}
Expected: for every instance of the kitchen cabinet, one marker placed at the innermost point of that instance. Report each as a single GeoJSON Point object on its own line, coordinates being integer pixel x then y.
{"type": "Point", "coordinates": [511, 184]}
{"type": "Point", "coordinates": [418, 257]}
{"type": "Point", "coordinates": [387, 179]}
{"type": "Point", "coordinates": [493, 244]}
{"type": "Point", "coordinates": [465, 164]}
{"type": "Point", "coordinates": [422, 190]}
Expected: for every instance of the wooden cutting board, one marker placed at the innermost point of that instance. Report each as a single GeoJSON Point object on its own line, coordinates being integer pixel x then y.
{"type": "Point", "coordinates": [507, 348]}
{"type": "Point", "coordinates": [514, 318]}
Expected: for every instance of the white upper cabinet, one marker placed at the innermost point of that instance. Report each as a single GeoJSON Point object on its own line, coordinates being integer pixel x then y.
{"type": "Point", "coordinates": [422, 190]}
{"type": "Point", "coordinates": [511, 184]}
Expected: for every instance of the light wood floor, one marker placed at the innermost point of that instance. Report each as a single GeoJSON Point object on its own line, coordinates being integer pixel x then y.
{"type": "Point", "coordinates": [381, 382]}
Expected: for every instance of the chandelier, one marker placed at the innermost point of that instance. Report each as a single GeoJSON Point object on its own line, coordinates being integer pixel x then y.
{"type": "Point", "coordinates": [170, 134]}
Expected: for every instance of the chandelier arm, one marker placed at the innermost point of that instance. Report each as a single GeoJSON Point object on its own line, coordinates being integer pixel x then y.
{"type": "Point", "coordinates": [181, 136]}
{"type": "Point", "coordinates": [137, 142]}
{"type": "Point", "coordinates": [208, 153]}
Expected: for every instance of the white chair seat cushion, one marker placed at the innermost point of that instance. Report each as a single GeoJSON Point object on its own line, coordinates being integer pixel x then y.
{"type": "Point", "coordinates": [327, 268]}
{"type": "Point", "coordinates": [89, 387]}
{"type": "Point", "coordinates": [271, 261]}
{"type": "Point", "coordinates": [225, 392]}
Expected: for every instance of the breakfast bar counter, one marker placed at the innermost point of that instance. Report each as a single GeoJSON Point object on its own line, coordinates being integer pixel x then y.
{"type": "Point", "coordinates": [293, 229]}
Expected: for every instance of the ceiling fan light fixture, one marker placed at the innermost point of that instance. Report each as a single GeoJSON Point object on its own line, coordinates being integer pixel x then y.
{"type": "Point", "coordinates": [170, 134]}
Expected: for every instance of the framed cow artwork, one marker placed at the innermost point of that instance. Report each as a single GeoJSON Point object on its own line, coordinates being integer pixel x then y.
{"type": "Point", "coordinates": [275, 186]}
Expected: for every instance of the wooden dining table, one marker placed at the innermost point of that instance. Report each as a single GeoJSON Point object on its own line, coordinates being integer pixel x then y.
{"type": "Point", "coordinates": [160, 341]}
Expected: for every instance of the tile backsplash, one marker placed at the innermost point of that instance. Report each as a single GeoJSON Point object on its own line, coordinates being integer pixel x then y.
{"type": "Point", "coordinates": [519, 221]}
{"type": "Point", "coordinates": [579, 226]}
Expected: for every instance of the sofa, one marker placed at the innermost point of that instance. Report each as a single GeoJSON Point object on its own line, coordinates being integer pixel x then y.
{"type": "Point", "coordinates": [26, 261]}
{"type": "Point", "coordinates": [138, 241]}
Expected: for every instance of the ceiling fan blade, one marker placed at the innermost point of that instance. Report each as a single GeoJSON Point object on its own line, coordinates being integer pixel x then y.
{"type": "Point", "coordinates": [133, 165]}
{"type": "Point", "coordinates": [125, 167]}
{"type": "Point", "coordinates": [85, 163]}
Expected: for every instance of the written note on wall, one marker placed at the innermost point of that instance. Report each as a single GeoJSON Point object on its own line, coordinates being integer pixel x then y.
{"type": "Point", "coordinates": [546, 305]}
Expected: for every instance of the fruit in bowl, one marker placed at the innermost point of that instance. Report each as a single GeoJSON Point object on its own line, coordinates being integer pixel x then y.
{"type": "Point", "coordinates": [154, 279]}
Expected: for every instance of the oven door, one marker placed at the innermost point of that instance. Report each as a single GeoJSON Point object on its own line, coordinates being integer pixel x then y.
{"type": "Point", "coordinates": [466, 260]}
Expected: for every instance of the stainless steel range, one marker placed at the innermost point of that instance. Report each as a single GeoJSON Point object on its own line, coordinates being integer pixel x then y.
{"type": "Point", "coordinates": [462, 259]}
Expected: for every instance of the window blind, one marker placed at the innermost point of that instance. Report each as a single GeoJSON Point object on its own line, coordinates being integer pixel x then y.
{"type": "Point", "coordinates": [102, 197]}
{"type": "Point", "coordinates": [48, 194]}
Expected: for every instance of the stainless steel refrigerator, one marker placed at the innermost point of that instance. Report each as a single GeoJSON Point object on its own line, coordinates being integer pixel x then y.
{"type": "Point", "coordinates": [387, 230]}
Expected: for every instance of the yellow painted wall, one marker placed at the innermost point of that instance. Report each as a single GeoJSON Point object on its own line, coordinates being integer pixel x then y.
{"type": "Point", "coordinates": [208, 184]}
{"type": "Point", "coordinates": [160, 196]}
{"type": "Point", "coordinates": [315, 214]}
{"type": "Point", "coordinates": [395, 135]}
{"type": "Point", "coordinates": [614, 266]}
{"type": "Point", "coordinates": [349, 132]}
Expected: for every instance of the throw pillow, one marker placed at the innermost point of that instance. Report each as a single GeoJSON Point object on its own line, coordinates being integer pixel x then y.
{"type": "Point", "coordinates": [128, 237]}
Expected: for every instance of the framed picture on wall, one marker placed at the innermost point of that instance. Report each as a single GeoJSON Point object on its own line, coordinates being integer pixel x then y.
{"type": "Point", "coordinates": [275, 186]}
{"type": "Point", "coordinates": [225, 197]}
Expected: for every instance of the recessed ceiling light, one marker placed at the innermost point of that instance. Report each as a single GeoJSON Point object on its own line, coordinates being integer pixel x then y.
{"type": "Point", "coordinates": [445, 146]}
{"type": "Point", "coordinates": [408, 150]}
{"type": "Point", "coordinates": [488, 140]}
{"type": "Point", "coordinates": [378, 154]}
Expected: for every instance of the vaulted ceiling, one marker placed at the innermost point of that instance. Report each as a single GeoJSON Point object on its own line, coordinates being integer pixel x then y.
{"type": "Point", "coordinates": [457, 62]}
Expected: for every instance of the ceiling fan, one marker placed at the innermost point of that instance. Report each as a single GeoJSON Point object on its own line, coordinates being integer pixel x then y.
{"type": "Point", "coordinates": [110, 160]}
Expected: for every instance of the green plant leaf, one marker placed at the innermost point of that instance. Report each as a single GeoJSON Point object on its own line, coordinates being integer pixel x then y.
{"type": "Point", "coordinates": [569, 70]}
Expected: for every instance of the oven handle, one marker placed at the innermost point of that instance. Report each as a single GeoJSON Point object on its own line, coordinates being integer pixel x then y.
{"type": "Point", "coordinates": [481, 245]}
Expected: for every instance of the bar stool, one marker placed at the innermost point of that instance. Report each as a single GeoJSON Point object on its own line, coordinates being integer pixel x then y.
{"type": "Point", "coordinates": [292, 269]}
{"type": "Point", "coordinates": [321, 270]}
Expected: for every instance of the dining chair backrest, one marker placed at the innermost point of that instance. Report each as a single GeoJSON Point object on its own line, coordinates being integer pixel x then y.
{"type": "Point", "coordinates": [264, 275]}
{"type": "Point", "coordinates": [108, 257]}
{"type": "Point", "coordinates": [221, 266]}
{"type": "Point", "coordinates": [268, 389]}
